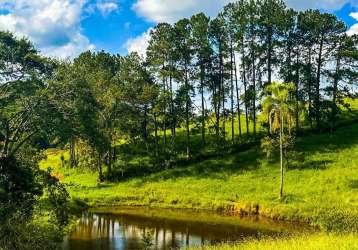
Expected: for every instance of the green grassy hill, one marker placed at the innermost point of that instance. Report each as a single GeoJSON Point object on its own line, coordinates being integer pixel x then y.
{"type": "Point", "coordinates": [321, 185]}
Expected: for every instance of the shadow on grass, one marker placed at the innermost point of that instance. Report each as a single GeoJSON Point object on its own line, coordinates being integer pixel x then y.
{"type": "Point", "coordinates": [343, 138]}
{"type": "Point", "coordinates": [218, 168]}
{"type": "Point", "coordinates": [310, 164]}
{"type": "Point", "coordinates": [353, 184]}
{"type": "Point", "coordinates": [249, 157]}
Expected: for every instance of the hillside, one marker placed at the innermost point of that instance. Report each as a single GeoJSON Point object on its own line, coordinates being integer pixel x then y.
{"type": "Point", "coordinates": [320, 185]}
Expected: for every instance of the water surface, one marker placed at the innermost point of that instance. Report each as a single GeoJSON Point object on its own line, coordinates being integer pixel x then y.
{"type": "Point", "coordinates": [146, 228]}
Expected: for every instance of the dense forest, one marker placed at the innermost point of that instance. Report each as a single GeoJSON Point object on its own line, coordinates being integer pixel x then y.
{"type": "Point", "coordinates": [257, 74]}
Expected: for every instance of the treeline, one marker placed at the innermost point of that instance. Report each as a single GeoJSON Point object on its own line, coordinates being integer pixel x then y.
{"type": "Point", "coordinates": [208, 76]}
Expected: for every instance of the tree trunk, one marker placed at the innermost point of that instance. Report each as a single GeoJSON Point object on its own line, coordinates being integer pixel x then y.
{"type": "Point", "coordinates": [222, 89]}
{"type": "Point", "coordinates": [334, 93]}
{"type": "Point", "coordinates": [297, 82]}
{"type": "Point", "coordinates": [145, 124]}
{"type": "Point", "coordinates": [202, 75]}
{"type": "Point", "coordinates": [310, 87]}
{"type": "Point", "coordinates": [254, 88]}
{"type": "Point", "coordinates": [165, 115]}
{"type": "Point", "coordinates": [217, 111]}
{"type": "Point", "coordinates": [173, 122]}
{"type": "Point", "coordinates": [281, 156]}
{"type": "Point", "coordinates": [100, 171]}
{"type": "Point", "coordinates": [156, 134]}
{"type": "Point", "coordinates": [269, 54]}
{"type": "Point", "coordinates": [245, 88]}
{"type": "Point", "coordinates": [232, 94]}
{"type": "Point", "coordinates": [237, 99]}
{"type": "Point", "coordinates": [73, 162]}
{"type": "Point", "coordinates": [109, 163]}
{"type": "Point", "coordinates": [187, 121]}
{"type": "Point", "coordinates": [317, 90]}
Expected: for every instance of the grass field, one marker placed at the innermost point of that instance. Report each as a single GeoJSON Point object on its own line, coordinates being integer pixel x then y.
{"type": "Point", "coordinates": [315, 242]}
{"type": "Point", "coordinates": [321, 186]}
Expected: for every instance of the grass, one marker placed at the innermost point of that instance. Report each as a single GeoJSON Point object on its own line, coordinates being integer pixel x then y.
{"type": "Point", "coordinates": [321, 185]}
{"type": "Point", "coordinates": [313, 242]}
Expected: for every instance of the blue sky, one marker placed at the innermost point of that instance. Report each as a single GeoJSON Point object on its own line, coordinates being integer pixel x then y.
{"type": "Point", "coordinates": [65, 28]}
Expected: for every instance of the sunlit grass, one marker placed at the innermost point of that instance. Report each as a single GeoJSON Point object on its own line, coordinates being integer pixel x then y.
{"type": "Point", "coordinates": [312, 242]}
{"type": "Point", "coordinates": [320, 186]}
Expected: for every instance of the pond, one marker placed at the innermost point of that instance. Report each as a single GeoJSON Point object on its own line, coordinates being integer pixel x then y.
{"type": "Point", "coordinates": [133, 228]}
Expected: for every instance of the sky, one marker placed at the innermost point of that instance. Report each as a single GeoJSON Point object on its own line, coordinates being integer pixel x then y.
{"type": "Point", "coordinates": [65, 28]}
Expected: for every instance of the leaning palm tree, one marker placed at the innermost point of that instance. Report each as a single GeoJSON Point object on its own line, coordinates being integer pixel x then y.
{"type": "Point", "coordinates": [278, 106]}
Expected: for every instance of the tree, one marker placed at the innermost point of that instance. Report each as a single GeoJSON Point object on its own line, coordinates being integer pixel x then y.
{"type": "Point", "coordinates": [160, 62]}
{"type": "Point", "coordinates": [99, 70]}
{"type": "Point", "coordinates": [183, 55]}
{"type": "Point", "coordinates": [201, 45]}
{"type": "Point", "coordinates": [27, 116]}
{"type": "Point", "coordinates": [270, 22]}
{"type": "Point", "coordinates": [280, 110]}
{"type": "Point", "coordinates": [219, 44]}
{"type": "Point", "coordinates": [25, 108]}
{"type": "Point", "coordinates": [344, 55]}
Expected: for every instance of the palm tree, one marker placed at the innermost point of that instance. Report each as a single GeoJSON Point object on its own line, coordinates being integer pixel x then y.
{"type": "Point", "coordinates": [279, 107]}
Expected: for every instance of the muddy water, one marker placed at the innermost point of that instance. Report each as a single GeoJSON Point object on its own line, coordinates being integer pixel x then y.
{"type": "Point", "coordinates": [146, 228]}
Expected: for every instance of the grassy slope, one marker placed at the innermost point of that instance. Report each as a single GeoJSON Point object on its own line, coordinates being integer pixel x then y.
{"type": "Point", "coordinates": [322, 187]}
{"type": "Point", "coordinates": [315, 242]}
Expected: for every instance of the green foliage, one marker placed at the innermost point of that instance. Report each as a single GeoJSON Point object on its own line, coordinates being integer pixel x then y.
{"type": "Point", "coordinates": [58, 197]}
{"type": "Point", "coordinates": [19, 185]}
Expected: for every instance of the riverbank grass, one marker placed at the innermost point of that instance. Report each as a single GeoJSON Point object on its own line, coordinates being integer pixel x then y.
{"type": "Point", "coordinates": [313, 242]}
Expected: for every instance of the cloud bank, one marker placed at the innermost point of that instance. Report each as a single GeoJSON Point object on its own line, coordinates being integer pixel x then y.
{"type": "Point", "coordinates": [170, 11]}
{"type": "Point", "coordinates": [53, 25]}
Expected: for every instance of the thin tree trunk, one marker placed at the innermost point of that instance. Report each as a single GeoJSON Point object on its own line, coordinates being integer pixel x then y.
{"type": "Point", "coordinates": [237, 99]}
{"type": "Point", "coordinates": [222, 89]}
{"type": "Point", "coordinates": [334, 93]}
{"type": "Point", "coordinates": [217, 114]}
{"type": "Point", "coordinates": [281, 156]}
{"type": "Point", "coordinates": [100, 171]}
{"type": "Point", "coordinates": [172, 104]}
{"type": "Point", "coordinates": [187, 114]}
{"type": "Point", "coordinates": [232, 95]}
{"type": "Point", "coordinates": [245, 88]}
{"type": "Point", "coordinates": [254, 88]}
{"type": "Point", "coordinates": [155, 134]}
{"type": "Point", "coordinates": [202, 75]}
{"type": "Point", "coordinates": [317, 90]}
{"type": "Point", "coordinates": [269, 55]}
{"type": "Point", "coordinates": [145, 124]}
{"type": "Point", "coordinates": [109, 163]}
{"type": "Point", "coordinates": [73, 152]}
{"type": "Point", "coordinates": [310, 87]}
{"type": "Point", "coordinates": [297, 82]}
{"type": "Point", "coordinates": [165, 114]}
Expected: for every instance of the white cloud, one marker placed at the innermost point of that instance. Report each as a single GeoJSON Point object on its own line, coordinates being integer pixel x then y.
{"type": "Point", "coordinates": [318, 4]}
{"type": "Point", "coordinates": [107, 7]}
{"type": "Point", "coordinates": [354, 28]}
{"type": "Point", "coordinates": [53, 25]}
{"type": "Point", "coordinates": [172, 10]}
{"type": "Point", "coordinates": [138, 44]}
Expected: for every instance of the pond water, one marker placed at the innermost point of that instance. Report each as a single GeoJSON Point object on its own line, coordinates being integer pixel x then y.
{"type": "Point", "coordinates": [146, 228]}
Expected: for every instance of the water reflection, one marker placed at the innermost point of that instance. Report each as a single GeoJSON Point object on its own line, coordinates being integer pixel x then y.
{"type": "Point", "coordinates": [133, 232]}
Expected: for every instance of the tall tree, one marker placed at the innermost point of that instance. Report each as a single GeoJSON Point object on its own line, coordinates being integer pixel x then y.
{"type": "Point", "coordinates": [200, 35]}
{"type": "Point", "coordinates": [280, 109]}
{"type": "Point", "coordinates": [184, 54]}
